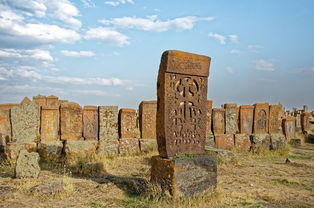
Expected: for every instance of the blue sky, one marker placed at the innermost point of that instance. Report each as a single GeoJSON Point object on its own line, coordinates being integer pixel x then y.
{"type": "Point", "coordinates": [107, 52]}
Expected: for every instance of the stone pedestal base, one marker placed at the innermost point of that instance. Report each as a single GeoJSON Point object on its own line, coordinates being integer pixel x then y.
{"type": "Point", "coordinates": [185, 177]}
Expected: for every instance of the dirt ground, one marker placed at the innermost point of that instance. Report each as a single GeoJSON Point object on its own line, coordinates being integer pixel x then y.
{"type": "Point", "coordinates": [263, 180]}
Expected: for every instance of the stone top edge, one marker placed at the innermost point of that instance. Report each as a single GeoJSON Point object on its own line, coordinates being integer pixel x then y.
{"type": "Point", "coordinates": [127, 109]}
{"type": "Point", "coordinates": [230, 105]}
{"type": "Point", "coordinates": [290, 119]}
{"type": "Point", "coordinates": [180, 62]}
{"type": "Point", "coordinates": [261, 104]}
{"type": "Point", "coordinates": [49, 108]}
{"type": "Point", "coordinates": [90, 107]}
{"type": "Point", "coordinates": [149, 102]}
{"type": "Point", "coordinates": [247, 106]}
{"type": "Point", "coordinates": [219, 109]}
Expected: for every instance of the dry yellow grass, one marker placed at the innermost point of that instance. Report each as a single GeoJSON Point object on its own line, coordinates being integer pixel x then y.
{"type": "Point", "coordinates": [249, 180]}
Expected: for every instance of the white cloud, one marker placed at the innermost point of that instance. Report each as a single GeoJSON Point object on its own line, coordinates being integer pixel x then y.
{"type": "Point", "coordinates": [88, 3]}
{"type": "Point", "coordinates": [234, 38]}
{"type": "Point", "coordinates": [92, 92]}
{"type": "Point", "coordinates": [220, 38]}
{"type": "Point", "coordinates": [230, 70]}
{"type": "Point", "coordinates": [264, 65]}
{"type": "Point", "coordinates": [151, 23]}
{"type": "Point", "coordinates": [107, 35]}
{"type": "Point", "coordinates": [254, 48]}
{"type": "Point", "coordinates": [235, 51]}
{"type": "Point", "coordinates": [119, 2]}
{"type": "Point", "coordinates": [77, 53]}
{"type": "Point", "coordinates": [37, 54]}
{"type": "Point", "coordinates": [29, 7]}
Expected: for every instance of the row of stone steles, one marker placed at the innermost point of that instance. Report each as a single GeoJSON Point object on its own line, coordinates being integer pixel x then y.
{"type": "Point", "coordinates": [62, 126]}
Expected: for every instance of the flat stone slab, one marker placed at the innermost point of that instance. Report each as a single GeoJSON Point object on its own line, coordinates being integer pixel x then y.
{"type": "Point", "coordinates": [186, 176]}
{"type": "Point", "coordinates": [277, 141]}
{"type": "Point", "coordinates": [27, 165]}
{"type": "Point", "coordinates": [51, 150]}
{"type": "Point", "coordinates": [260, 141]}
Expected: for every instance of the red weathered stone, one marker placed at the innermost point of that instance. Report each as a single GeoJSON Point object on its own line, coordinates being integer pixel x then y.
{"type": "Point", "coordinates": [128, 123]}
{"type": "Point", "coordinates": [289, 128]}
{"type": "Point", "coordinates": [90, 122]}
{"type": "Point", "coordinates": [246, 119]}
{"type": "Point", "coordinates": [261, 114]}
{"type": "Point", "coordinates": [71, 121]}
{"type": "Point", "coordinates": [242, 142]}
{"type": "Point", "coordinates": [218, 121]}
{"type": "Point", "coordinates": [147, 119]}
{"type": "Point", "coordinates": [49, 125]}
{"type": "Point", "coordinates": [182, 103]}
{"type": "Point", "coordinates": [52, 101]}
{"type": "Point", "coordinates": [224, 141]}
{"type": "Point", "coordinates": [209, 118]}
{"type": "Point", "coordinates": [231, 118]}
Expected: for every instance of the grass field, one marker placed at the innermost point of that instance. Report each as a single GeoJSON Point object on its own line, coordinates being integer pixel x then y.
{"type": "Point", "coordinates": [261, 180]}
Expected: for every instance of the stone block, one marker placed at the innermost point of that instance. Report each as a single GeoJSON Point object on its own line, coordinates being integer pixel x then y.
{"type": "Point", "coordinates": [25, 100]}
{"type": "Point", "coordinates": [242, 142]}
{"type": "Point", "coordinates": [5, 127]}
{"type": "Point", "coordinates": [148, 145]}
{"type": "Point", "coordinates": [224, 141]}
{"type": "Point", "coordinates": [108, 123]}
{"type": "Point", "coordinates": [209, 118]}
{"type": "Point", "coordinates": [52, 101]}
{"type": "Point", "coordinates": [246, 119]}
{"type": "Point", "coordinates": [127, 123]}
{"type": "Point", "coordinates": [25, 123]}
{"type": "Point", "coordinates": [49, 125]}
{"type": "Point", "coordinates": [129, 146]}
{"type": "Point", "coordinates": [27, 165]}
{"type": "Point", "coordinates": [108, 148]}
{"type": "Point", "coordinates": [261, 114]}
{"type": "Point", "coordinates": [185, 177]}
{"type": "Point", "coordinates": [147, 119]}
{"type": "Point", "coordinates": [12, 150]}
{"type": "Point", "coordinates": [298, 126]}
{"type": "Point", "coordinates": [295, 142]}
{"type": "Point", "coordinates": [71, 121]}
{"type": "Point", "coordinates": [275, 119]}
{"type": "Point", "coordinates": [182, 102]}
{"type": "Point", "coordinates": [260, 141]}
{"type": "Point", "coordinates": [231, 118]}
{"type": "Point", "coordinates": [40, 100]}
{"type": "Point", "coordinates": [289, 127]}
{"type": "Point", "coordinates": [277, 141]}
{"type": "Point", "coordinates": [80, 149]}
{"type": "Point", "coordinates": [50, 150]}
{"type": "Point", "coordinates": [8, 106]}
{"type": "Point", "coordinates": [90, 122]}
{"type": "Point", "coordinates": [305, 121]}
{"type": "Point", "coordinates": [219, 120]}
{"type": "Point", "coordinates": [210, 141]}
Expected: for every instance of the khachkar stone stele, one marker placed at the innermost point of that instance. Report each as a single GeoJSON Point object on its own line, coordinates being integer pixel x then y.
{"type": "Point", "coordinates": [182, 168]}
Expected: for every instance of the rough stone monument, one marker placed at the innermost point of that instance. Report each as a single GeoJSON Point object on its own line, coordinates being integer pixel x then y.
{"type": "Point", "coordinates": [275, 119]}
{"type": "Point", "coordinates": [49, 125]}
{"type": "Point", "coordinates": [219, 120]}
{"type": "Point", "coordinates": [209, 118]}
{"type": "Point", "coordinates": [147, 119]}
{"type": "Point", "coordinates": [261, 114]}
{"type": "Point", "coordinates": [231, 117]}
{"type": "Point", "coordinates": [246, 119]}
{"type": "Point", "coordinates": [27, 165]}
{"type": "Point", "coordinates": [5, 128]}
{"type": "Point", "coordinates": [182, 168]}
{"type": "Point", "coordinates": [127, 123]}
{"type": "Point", "coordinates": [289, 128]}
{"type": "Point", "coordinates": [71, 121]}
{"type": "Point", "coordinates": [90, 122]}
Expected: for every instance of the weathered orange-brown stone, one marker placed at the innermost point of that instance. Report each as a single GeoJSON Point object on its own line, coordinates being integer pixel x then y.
{"type": "Point", "coordinates": [71, 121]}
{"type": "Point", "coordinates": [246, 119]}
{"type": "Point", "coordinates": [231, 118]}
{"type": "Point", "coordinates": [40, 100]}
{"type": "Point", "coordinates": [289, 128]}
{"type": "Point", "coordinates": [147, 119]}
{"type": "Point", "coordinates": [12, 150]}
{"type": "Point", "coordinates": [5, 127]}
{"type": "Point", "coordinates": [7, 106]}
{"type": "Point", "coordinates": [209, 118]}
{"type": "Point", "coordinates": [305, 121]}
{"type": "Point", "coordinates": [127, 123]}
{"type": "Point", "coordinates": [49, 126]}
{"type": "Point", "coordinates": [261, 114]}
{"type": "Point", "coordinates": [25, 100]}
{"type": "Point", "coordinates": [242, 142]}
{"type": "Point", "coordinates": [224, 141]}
{"type": "Point", "coordinates": [129, 146]}
{"type": "Point", "coordinates": [218, 120]}
{"type": "Point", "coordinates": [90, 122]}
{"type": "Point", "coordinates": [182, 103]}
{"type": "Point", "coordinates": [52, 101]}
{"type": "Point", "coordinates": [275, 119]}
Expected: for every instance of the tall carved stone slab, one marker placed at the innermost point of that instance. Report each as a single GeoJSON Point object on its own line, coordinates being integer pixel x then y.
{"type": "Point", "coordinates": [52, 101]}
{"type": "Point", "coordinates": [49, 125]}
{"type": "Point", "coordinates": [127, 123]}
{"type": "Point", "coordinates": [5, 127]}
{"type": "Point", "coordinates": [231, 117]}
{"type": "Point", "coordinates": [147, 119]}
{"type": "Point", "coordinates": [246, 119]}
{"type": "Point", "coordinates": [298, 126]}
{"type": "Point", "coordinates": [90, 122]}
{"type": "Point", "coordinates": [108, 123]}
{"type": "Point", "coordinates": [219, 120]}
{"type": "Point", "coordinates": [275, 119]}
{"type": "Point", "coordinates": [289, 128]}
{"type": "Point", "coordinates": [71, 121]}
{"type": "Point", "coordinates": [25, 123]}
{"type": "Point", "coordinates": [209, 118]}
{"type": "Point", "coordinates": [261, 114]}
{"type": "Point", "coordinates": [40, 100]}
{"type": "Point", "coordinates": [305, 121]}
{"type": "Point", "coordinates": [182, 102]}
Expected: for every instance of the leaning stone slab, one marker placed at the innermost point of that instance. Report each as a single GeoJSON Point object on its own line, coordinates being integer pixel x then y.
{"type": "Point", "coordinates": [231, 118]}
{"type": "Point", "coordinates": [12, 150]}
{"type": "Point", "coordinates": [277, 141]}
{"type": "Point", "coordinates": [218, 120]}
{"type": "Point", "coordinates": [242, 142]}
{"type": "Point", "coordinates": [147, 119]}
{"type": "Point", "coordinates": [27, 165]}
{"type": "Point", "coordinates": [71, 121]}
{"type": "Point", "coordinates": [108, 123]}
{"type": "Point", "coordinates": [148, 145]}
{"type": "Point", "coordinates": [224, 141]}
{"type": "Point", "coordinates": [50, 150]}
{"type": "Point", "coordinates": [129, 146]}
{"type": "Point", "coordinates": [186, 176]}
{"type": "Point", "coordinates": [90, 122]}
{"type": "Point", "coordinates": [25, 123]}
{"type": "Point", "coordinates": [260, 141]}
{"type": "Point", "coordinates": [182, 103]}
{"type": "Point", "coordinates": [49, 125]}
{"type": "Point", "coordinates": [80, 149]}
{"type": "Point", "coordinates": [127, 123]}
